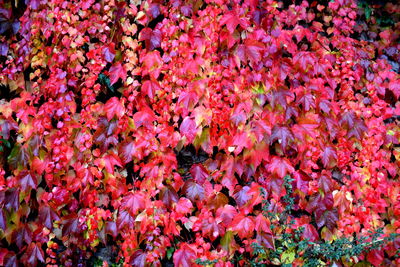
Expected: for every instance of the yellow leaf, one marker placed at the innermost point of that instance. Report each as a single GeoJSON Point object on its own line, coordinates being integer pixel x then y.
{"type": "Point", "coordinates": [288, 256]}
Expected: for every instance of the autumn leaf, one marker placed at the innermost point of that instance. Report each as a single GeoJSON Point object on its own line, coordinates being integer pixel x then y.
{"type": "Point", "coordinates": [280, 166]}
{"type": "Point", "coordinates": [138, 258]}
{"type": "Point", "coordinates": [329, 157]}
{"type": "Point", "coordinates": [127, 150]}
{"type": "Point", "coordinates": [124, 219]}
{"type": "Point", "coordinates": [151, 37]}
{"type": "Point", "coordinates": [114, 107]}
{"type": "Point", "coordinates": [47, 216]}
{"type": "Point", "coordinates": [262, 224]}
{"type": "Point", "coordinates": [184, 256]}
{"type": "Point", "coordinates": [169, 196]}
{"type": "Point", "coordinates": [193, 191]}
{"type": "Point", "coordinates": [184, 206]}
{"type": "Point", "coordinates": [28, 180]}
{"type": "Point", "coordinates": [243, 225]}
{"type": "Point", "coordinates": [281, 134]}
{"type": "Point", "coordinates": [117, 72]}
{"type": "Point", "coordinates": [199, 173]}
{"type": "Point", "coordinates": [231, 20]}
{"type": "Point", "coordinates": [134, 202]}
{"type": "Point", "coordinates": [34, 254]}
{"type": "Point", "coordinates": [188, 128]}
{"type": "Point", "coordinates": [150, 87]}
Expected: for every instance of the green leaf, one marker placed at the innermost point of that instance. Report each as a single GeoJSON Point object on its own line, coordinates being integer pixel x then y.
{"type": "Point", "coordinates": [6, 142]}
{"type": "Point", "coordinates": [105, 80]}
{"type": "Point", "coordinates": [170, 252]}
{"type": "Point", "coordinates": [367, 11]}
{"type": "Point", "coordinates": [288, 256]}
{"type": "Point", "coordinates": [226, 240]}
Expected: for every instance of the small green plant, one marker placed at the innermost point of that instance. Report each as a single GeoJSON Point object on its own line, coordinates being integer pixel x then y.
{"type": "Point", "coordinates": [289, 245]}
{"type": "Point", "coordinates": [205, 262]}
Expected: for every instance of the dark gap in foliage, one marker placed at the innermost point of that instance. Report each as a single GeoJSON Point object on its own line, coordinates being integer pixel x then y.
{"type": "Point", "coordinates": [54, 122]}
{"type": "Point", "coordinates": [78, 102]}
{"type": "Point", "coordinates": [153, 23]}
{"type": "Point", "coordinates": [94, 40]}
{"type": "Point", "coordinates": [6, 93]}
{"type": "Point", "coordinates": [43, 184]}
{"type": "Point", "coordinates": [108, 91]}
{"type": "Point", "coordinates": [167, 263]}
{"type": "Point", "coordinates": [299, 213]}
{"type": "Point", "coordinates": [27, 72]}
{"type": "Point", "coordinates": [392, 119]}
{"type": "Point", "coordinates": [85, 47]}
{"type": "Point", "coordinates": [216, 242]}
{"type": "Point", "coordinates": [390, 98]}
{"type": "Point", "coordinates": [34, 207]}
{"type": "Point", "coordinates": [76, 194]}
{"type": "Point", "coordinates": [129, 169]}
{"type": "Point", "coordinates": [39, 101]}
{"type": "Point", "coordinates": [103, 253]}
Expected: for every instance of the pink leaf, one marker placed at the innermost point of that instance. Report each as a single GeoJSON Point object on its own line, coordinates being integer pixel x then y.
{"type": "Point", "coordinates": [114, 107]}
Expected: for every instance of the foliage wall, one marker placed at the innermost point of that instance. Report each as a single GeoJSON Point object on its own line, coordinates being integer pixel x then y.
{"type": "Point", "coordinates": [199, 132]}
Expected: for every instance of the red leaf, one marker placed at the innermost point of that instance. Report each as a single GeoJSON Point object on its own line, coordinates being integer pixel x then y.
{"type": "Point", "coordinates": [114, 107]}
{"type": "Point", "coordinates": [151, 61]}
{"type": "Point", "coordinates": [34, 253]}
{"type": "Point", "coordinates": [358, 130]}
{"type": "Point", "coordinates": [117, 71]}
{"type": "Point", "coordinates": [348, 119]}
{"type": "Point", "coordinates": [327, 217]}
{"type": "Point", "coordinates": [3, 253]}
{"type": "Point", "coordinates": [325, 183]}
{"type": "Point", "coordinates": [134, 202]}
{"type": "Point", "coordinates": [11, 199]}
{"type": "Point", "coordinates": [111, 229]}
{"type": "Point", "coordinates": [262, 224]}
{"type": "Point", "coordinates": [329, 157]}
{"type": "Point", "coordinates": [244, 225]}
{"type": "Point", "coordinates": [28, 181]}
{"type": "Point", "coordinates": [124, 218]}
{"type": "Point", "coordinates": [168, 196]}
{"type": "Point", "coordinates": [250, 50]}
{"type": "Point", "coordinates": [145, 117]}
{"type": "Point", "coordinates": [188, 128]}
{"type": "Point", "coordinates": [375, 257]}
{"type": "Point", "coordinates": [184, 257]}
{"type": "Point", "coordinates": [310, 232]}
{"type": "Point", "coordinates": [47, 216]}
{"type": "Point", "coordinates": [3, 220]}
{"type": "Point", "coordinates": [307, 101]}
{"type": "Point", "coordinates": [241, 196]}
{"type": "Point", "coordinates": [193, 190]}
{"type": "Point", "coordinates": [199, 173]}
{"type": "Point", "coordinates": [127, 150]}
{"type": "Point", "coordinates": [280, 166]}
{"type": "Point", "coordinates": [226, 213]}
{"type": "Point", "coordinates": [11, 261]}
{"type": "Point", "coordinates": [151, 37]}
{"type": "Point", "coordinates": [112, 160]}
{"type": "Point", "coordinates": [184, 206]}
{"type": "Point", "coordinates": [70, 225]}
{"type": "Point", "coordinates": [231, 20]}
{"type": "Point", "coordinates": [150, 87]}
{"type": "Point", "coordinates": [138, 258]}
{"type": "Point", "coordinates": [281, 134]}
{"type": "Point", "coordinates": [394, 86]}
{"type": "Point", "coordinates": [304, 60]}
{"type": "Point", "coordinates": [109, 54]}
{"type": "Point", "coordinates": [266, 239]}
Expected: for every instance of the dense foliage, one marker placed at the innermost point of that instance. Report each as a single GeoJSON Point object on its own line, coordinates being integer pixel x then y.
{"type": "Point", "coordinates": [199, 132]}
